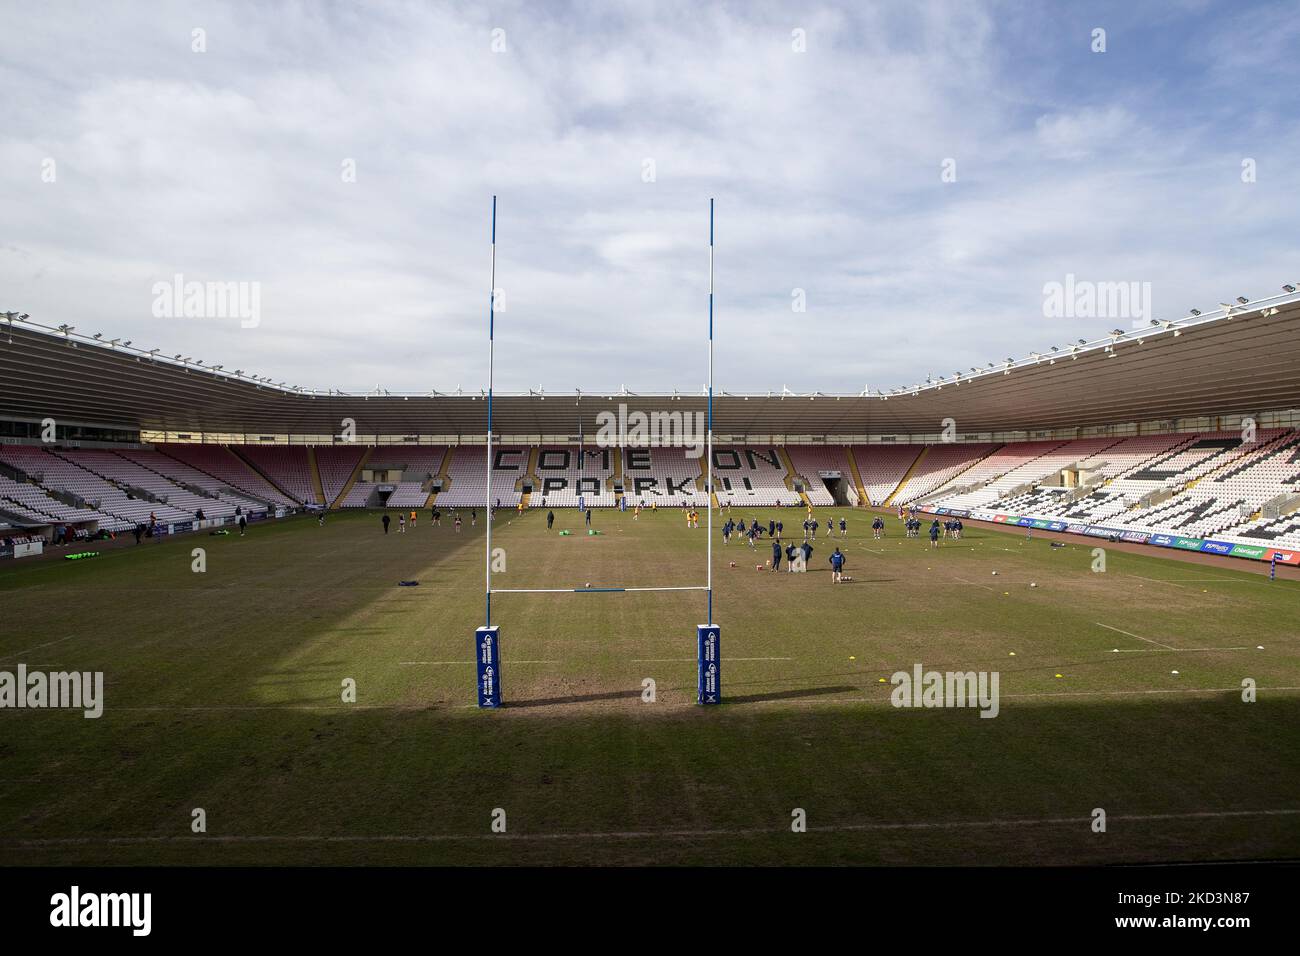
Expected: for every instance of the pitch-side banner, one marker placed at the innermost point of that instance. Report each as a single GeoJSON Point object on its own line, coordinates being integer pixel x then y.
{"type": "Point", "coordinates": [1250, 551]}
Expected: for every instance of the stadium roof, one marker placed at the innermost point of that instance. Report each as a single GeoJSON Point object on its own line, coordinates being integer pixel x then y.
{"type": "Point", "coordinates": [1241, 359]}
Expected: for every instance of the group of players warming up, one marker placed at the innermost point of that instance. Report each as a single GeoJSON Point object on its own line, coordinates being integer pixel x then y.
{"type": "Point", "coordinates": [796, 557]}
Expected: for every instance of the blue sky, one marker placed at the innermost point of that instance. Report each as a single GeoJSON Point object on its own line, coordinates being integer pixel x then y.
{"type": "Point", "coordinates": [225, 165]}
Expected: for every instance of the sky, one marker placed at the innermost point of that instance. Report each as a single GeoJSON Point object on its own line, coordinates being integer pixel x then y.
{"type": "Point", "coordinates": [896, 183]}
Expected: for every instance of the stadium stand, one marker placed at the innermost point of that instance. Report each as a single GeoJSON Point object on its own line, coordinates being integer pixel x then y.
{"type": "Point", "coordinates": [215, 500]}
{"type": "Point", "coordinates": [408, 494]}
{"type": "Point", "coordinates": [1184, 458]}
{"type": "Point", "coordinates": [417, 465]}
{"type": "Point", "coordinates": [1197, 485]}
{"type": "Point", "coordinates": [665, 477]}
{"type": "Point", "coordinates": [1220, 481]}
{"type": "Point", "coordinates": [883, 467]}
{"type": "Point", "coordinates": [286, 466]}
{"type": "Point", "coordinates": [1275, 480]}
{"type": "Point", "coordinates": [971, 484]}
{"type": "Point", "coordinates": [226, 469]}
{"type": "Point", "coordinates": [809, 461]}
{"type": "Point", "coordinates": [122, 509]}
{"type": "Point", "coordinates": [468, 474]}
{"type": "Point", "coordinates": [336, 463]}
{"type": "Point", "coordinates": [938, 465]}
{"type": "Point", "coordinates": [31, 503]}
{"type": "Point", "coordinates": [1096, 472]}
{"type": "Point", "coordinates": [1012, 467]}
{"type": "Point", "coordinates": [751, 476]}
{"type": "Point", "coordinates": [133, 477]}
{"type": "Point", "coordinates": [563, 474]}
{"type": "Point", "coordinates": [1210, 485]}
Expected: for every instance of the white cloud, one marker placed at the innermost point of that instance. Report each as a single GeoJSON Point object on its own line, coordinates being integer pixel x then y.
{"type": "Point", "coordinates": [1084, 133]}
{"type": "Point", "coordinates": [826, 166]}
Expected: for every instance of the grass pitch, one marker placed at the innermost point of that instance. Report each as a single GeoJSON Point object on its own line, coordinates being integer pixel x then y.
{"type": "Point", "coordinates": [223, 692]}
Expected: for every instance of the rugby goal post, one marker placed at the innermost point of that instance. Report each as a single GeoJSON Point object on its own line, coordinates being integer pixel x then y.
{"type": "Point", "coordinates": [487, 639]}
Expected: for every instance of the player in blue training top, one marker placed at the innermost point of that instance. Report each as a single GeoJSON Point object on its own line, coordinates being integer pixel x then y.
{"type": "Point", "coordinates": [837, 565]}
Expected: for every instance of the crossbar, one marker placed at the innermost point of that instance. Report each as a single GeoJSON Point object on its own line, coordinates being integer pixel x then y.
{"type": "Point", "coordinates": [691, 587]}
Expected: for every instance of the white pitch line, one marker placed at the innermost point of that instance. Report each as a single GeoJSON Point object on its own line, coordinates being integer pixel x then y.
{"type": "Point", "coordinates": [432, 705]}
{"type": "Point", "coordinates": [37, 647]}
{"type": "Point", "coordinates": [881, 702]}
{"type": "Point", "coordinates": [1136, 636]}
{"type": "Point", "coordinates": [239, 708]}
{"type": "Point", "coordinates": [1253, 579]}
{"type": "Point", "coordinates": [642, 834]}
{"type": "Point", "coordinates": [691, 660]}
{"type": "Point", "coordinates": [1248, 579]}
{"type": "Point", "coordinates": [972, 583]}
{"type": "Point", "coordinates": [431, 663]}
{"type": "Point", "coordinates": [1176, 650]}
{"type": "Point", "coordinates": [1126, 693]}
{"type": "Point", "coordinates": [597, 590]}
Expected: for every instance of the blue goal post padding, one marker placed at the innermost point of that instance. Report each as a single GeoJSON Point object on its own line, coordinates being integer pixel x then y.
{"type": "Point", "coordinates": [708, 688]}
{"type": "Point", "coordinates": [487, 653]}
